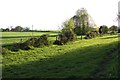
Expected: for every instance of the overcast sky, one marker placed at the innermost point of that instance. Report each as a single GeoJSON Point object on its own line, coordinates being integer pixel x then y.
{"type": "Point", "coordinates": [49, 14]}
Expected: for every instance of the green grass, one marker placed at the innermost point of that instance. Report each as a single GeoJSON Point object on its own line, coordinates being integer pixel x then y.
{"type": "Point", "coordinates": [13, 34]}
{"type": "Point", "coordinates": [112, 70]}
{"type": "Point", "coordinates": [82, 58]}
{"type": "Point", "coordinates": [14, 37]}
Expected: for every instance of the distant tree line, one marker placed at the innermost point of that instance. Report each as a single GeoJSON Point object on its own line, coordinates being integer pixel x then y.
{"type": "Point", "coordinates": [105, 30]}
{"type": "Point", "coordinates": [25, 29]}
{"type": "Point", "coordinates": [16, 29]}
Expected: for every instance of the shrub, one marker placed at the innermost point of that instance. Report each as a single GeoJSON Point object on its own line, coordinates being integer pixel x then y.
{"type": "Point", "coordinates": [31, 41]}
{"type": "Point", "coordinates": [35, 42]}
{"type": "Point", "coordinates": [113, 33]}
{"type": "Point", "coordinates": [103, 29]}
{"type": "Point", "coordinates": [5, 51]}
{"type": "Point", "coordinates": [39, 42]}
{"type": "Point", "coordinates": [67, 35]}
{"type": "Point", "coordinates": [92, 34]}
{"type": "Point", "coordinates": [63, 39]}
{"type": "Point", "coordinates": [23, 46]}
{"type": "Point", "coordinates": [42, 41]}
{"type": "Point", "coordinates": [57, 42]}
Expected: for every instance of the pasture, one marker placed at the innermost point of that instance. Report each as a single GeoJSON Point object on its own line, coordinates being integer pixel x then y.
{"type": "Point", "coordinates": [14, 37]}
{"type": "Point", "coordinates": [97, 57]}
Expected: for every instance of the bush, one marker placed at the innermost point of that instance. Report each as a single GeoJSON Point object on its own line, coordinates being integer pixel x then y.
{"type": "Point", "coordinates": [31, 41]}
{"type": "Point", "coordinates": [23, 46]}
{"type": "Point", "coordinates": [35, 42]}
{"type": "Point", "coordinates": [103, 29]}
{"type": "Point", "coordinates": [92, 34]}
{"type": "Point", "coordinates": [113, 33]}
{"type": "Point", "coordinates": [63, 39]}
{"type": "Point", "coordinates": [39, 42]}
{"type": "Point", "coordinates": [42, 41]}
{"type": "Point", "coordinates": [66, 36]}
{"type": "Point", "coordinates": [57, 42]}
{"type": "Point", "coordinates": [5, 51]}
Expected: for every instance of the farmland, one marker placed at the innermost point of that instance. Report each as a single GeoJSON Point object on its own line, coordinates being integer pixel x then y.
{"type": "Point", "coordinates": [97, 57]}
{"type": "Point", "coordinates": [14, 37]}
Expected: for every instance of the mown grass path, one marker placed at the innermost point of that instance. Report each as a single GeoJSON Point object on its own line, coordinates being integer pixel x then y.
{"type": "Point", "coordinates": [102, 69]}
{"type": "Point", "coordinates": [82, 58]}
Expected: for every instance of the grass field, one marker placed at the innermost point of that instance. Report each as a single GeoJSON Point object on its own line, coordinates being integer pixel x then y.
{"type": "Point", "coordinates": [85, 58]}
{"type": "Point", "coordinates": [14, 37]}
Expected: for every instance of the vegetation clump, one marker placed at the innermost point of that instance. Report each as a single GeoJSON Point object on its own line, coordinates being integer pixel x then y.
{"type": "Point", "coordinates": [103, 29]}
{"type": "Point", "coordinates": [58, 42]}
{"type": "Point", "coordinates": [39, 42]}
{"type": "Point", "coordinates": [22, 46]}
{"type": "Point", "coordinates": [35, 42]}
{"type": "Point", "coordinates": [113, 30]}
{"type": "Point", "coordinates": [66, 36]}
{"type": "Point", "coordinates": [5, 51]}
{"type": "Point", "coordinates": [67, 33]}
{"type": "Point", "coordinates": [42, 41]}
{"type": "Point", "coordinates": [91, 35]}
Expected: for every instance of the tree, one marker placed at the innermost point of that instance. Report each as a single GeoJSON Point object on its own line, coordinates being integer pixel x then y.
{"type": "Point", "coordinates": [69, 24]}
{"type": "Point", "coordinates": [103, 29]}
{"type": "Point", "coordinates": [100, 30]}
{"type": "Point", "coordinates": [81, 20]}
{"type": "Point", "coordinates": [12, 29]}
{"type": "Point", "coordinates": [7, 29]}
{"type": "Point", "coordinates": [113, 28]}
{"type": "Point", "coordinates": [67, 32]}
{"type": "Point", "coordinates": [26, 29]}
{"type": "Point", "coordinates": [18, 28]}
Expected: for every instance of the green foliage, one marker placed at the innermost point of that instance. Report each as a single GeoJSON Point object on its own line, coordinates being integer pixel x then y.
{"type": "Point", "coordinates": [67, 33]}
{"type": "Point", "coordinates": [113, 33]}
{"type": "Point", "coordinates": [57, 42]}
{"type": "Point", "coordinates": [78, 30]}
{"type": "Point", "coordinates": [38, 42]}
{"type": "Point", "coordinates": [62, 38]}
{"type": "Point", "coordinates": [5, 30]}
{"type": "Point", "coordinates": [42, 41]}
{"type": "Point", "coordinates": [17, 46]}
{"type": "Point", "coordinates": [103, 29]}
{"type": "Point", "coordinates": [81, 22]}
{"type": "Point", "coordinates": [113, 28]}
{"type": "Point", "coordinates": [35, 42]}
{"type": "Point", "coordinates": [69, 24]}
{"type": "Point", "coordinates": [26, 29]}
{"type": "Point", "coordinates": [18, 28]}
{"type": "Point", "coordinates": [91, 35]}
{"type": "Point", "coordinates": [5, 51]}
{"type": "Point", "coordinates": [31, 41]}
